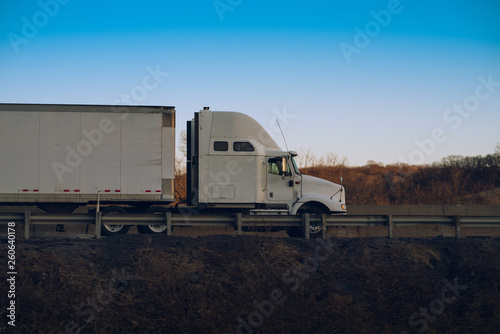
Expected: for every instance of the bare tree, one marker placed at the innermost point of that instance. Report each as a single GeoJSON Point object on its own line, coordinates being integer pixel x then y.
{"type": "Point", "coordinates": [332, 159]}
{"type": "Point", "coordinates": [180, 166]}
{"type": "Point", "coordinates": [306, 158]}
{"type": "Point", "coordinates": [183, 143]}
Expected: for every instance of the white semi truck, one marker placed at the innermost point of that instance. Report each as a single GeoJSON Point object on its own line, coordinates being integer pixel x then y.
{"type": "Point", "coordinates": [60, 157]}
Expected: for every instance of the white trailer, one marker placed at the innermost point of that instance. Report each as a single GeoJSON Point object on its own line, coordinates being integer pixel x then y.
{"type": "Point", "coordinates": [59, 157]}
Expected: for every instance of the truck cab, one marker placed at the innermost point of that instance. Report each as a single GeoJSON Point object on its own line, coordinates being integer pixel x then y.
{"type": "Point", "coordinates": [233, 163]}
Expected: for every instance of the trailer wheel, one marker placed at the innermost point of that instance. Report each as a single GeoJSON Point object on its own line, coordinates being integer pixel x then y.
{"type": "Point", "coordinates": [154, 229]}
{"type": "Point", "coordinates": [114, 229]}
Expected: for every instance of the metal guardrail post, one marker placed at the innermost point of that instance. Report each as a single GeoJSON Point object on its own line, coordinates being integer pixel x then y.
{"type": "Point", "coordinates": [27, 221]}
{"type": "Point", "coordinates": [239, 222]}
{"type": "Point", "coordinates": [323, 227]}
{"type": "Point", "coordinates": [390, 225]}
{"type": "Point", "coordinates": [457, 226]}
{"type": "Point", "coordinates": [168, 218]}
{"type": "Point", "coordinates": [307, 224]}
{"type": "Point", "coordinates": [98, 217]}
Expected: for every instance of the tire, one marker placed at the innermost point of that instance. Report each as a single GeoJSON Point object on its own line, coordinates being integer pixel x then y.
{"type": "Point", "coordinates": [113, 229]}
{"type": "Point", "coordinates": [314, 229]}
{"type": "Point", "coordinates": [154, 229]}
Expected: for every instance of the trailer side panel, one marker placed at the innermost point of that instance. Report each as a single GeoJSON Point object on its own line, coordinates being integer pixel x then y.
{"type": "Point", "coordinates": [75, 152]}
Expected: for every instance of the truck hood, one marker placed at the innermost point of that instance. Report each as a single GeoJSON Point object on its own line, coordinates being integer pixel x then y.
{"type": "Point", "coordinates": [315, 185]}
{"type": "Point", "coordinates": [312, 180]}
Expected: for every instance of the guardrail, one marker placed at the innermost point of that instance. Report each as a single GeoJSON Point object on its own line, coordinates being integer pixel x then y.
{"type": "Point", "coordinates": [239, 221]}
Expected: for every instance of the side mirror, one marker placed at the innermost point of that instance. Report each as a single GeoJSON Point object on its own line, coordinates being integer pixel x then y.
{"type": "Point", "coordinates": [284, 173]}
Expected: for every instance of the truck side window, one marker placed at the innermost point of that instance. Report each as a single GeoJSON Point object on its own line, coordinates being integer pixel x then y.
{"type": "Point", "coordinates": [242, 146]}
{"type": "Point", "coordinates": [220, 146]}
{"type": "Point", "coordinates": [274, 166]}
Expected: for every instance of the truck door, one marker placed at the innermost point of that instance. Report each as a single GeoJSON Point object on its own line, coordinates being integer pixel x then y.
{"type": "Point", "coordinates": [279, 181]}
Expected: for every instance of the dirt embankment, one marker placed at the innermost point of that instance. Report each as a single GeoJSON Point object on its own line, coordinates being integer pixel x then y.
{"type": "Point", "coordinates": [232, 284]}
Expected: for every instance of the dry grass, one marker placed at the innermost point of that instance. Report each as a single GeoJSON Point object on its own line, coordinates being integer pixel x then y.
{"type": "Point", "coordinates": [135, 284]}
{"type": "Point", "coordinates": [416, 254]}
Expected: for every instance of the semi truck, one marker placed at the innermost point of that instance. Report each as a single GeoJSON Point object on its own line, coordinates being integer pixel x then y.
{"type": "Point", "coordinates": [122, 159]}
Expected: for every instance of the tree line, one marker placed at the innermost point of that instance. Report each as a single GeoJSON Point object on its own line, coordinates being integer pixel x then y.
{"type": "Point", "coordinates": [454, 180]}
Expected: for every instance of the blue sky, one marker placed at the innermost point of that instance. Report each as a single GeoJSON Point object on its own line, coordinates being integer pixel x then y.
{"type": "Point", "coordinates": [392, 100]}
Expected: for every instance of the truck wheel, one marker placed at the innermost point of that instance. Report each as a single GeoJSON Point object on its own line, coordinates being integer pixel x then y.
{"type": "Point", "coordinates": [154, 229]}
{"type": "Point", "coordinates": [114, 229]}
{"type": "Point", "coordinates": [314, 229]}
{"type": "Point", "coordinates": [298, 232]}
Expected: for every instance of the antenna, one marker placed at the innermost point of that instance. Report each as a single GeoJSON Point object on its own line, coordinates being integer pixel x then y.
{"type": "Point", "coordinates": [284, 139]}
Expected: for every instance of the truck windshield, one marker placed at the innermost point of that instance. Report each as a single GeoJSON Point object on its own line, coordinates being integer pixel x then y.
{"type": "Point", "coordinates": [295, 168]}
